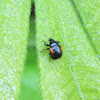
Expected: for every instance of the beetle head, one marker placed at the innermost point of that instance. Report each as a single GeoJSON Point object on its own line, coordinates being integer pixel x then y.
{"type": "Point", "coordinates": [51, 41]}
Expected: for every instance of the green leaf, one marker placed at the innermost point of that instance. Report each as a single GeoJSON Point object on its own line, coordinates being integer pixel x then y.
{"type": "Point", "coordinates": [75, 76]}
{"type": "Point", "coordinates": [14, 25]}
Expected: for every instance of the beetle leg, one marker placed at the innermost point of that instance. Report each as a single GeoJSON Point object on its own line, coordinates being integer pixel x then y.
{"type": "Point", "coordinates": [45, 49]}
{"type": "Point", "coordinates": [45, 43]}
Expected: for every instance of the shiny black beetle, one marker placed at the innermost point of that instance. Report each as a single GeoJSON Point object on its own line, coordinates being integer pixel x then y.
{"type": "Point", "coordinates": [55, 49]}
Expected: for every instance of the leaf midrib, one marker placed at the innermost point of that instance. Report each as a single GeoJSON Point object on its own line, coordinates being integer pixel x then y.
{"type": "Point", "coordinates": [84, 28]}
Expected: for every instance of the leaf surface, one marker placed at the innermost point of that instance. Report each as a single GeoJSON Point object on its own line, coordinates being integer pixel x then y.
{"type": "Point", "coordinates": [77, 74]}
{"type": "Point", "coordinates": [14, 25]}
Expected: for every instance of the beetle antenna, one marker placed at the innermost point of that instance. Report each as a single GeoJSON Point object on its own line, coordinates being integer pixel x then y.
{"type": "Point", "coordinates": [46, 36]}
{"type": "Point", "coordinates": [44, 42]}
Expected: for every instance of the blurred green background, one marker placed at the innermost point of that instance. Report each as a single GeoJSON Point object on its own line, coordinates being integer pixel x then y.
{"type": "Point", "coordinates": [30, 89]}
